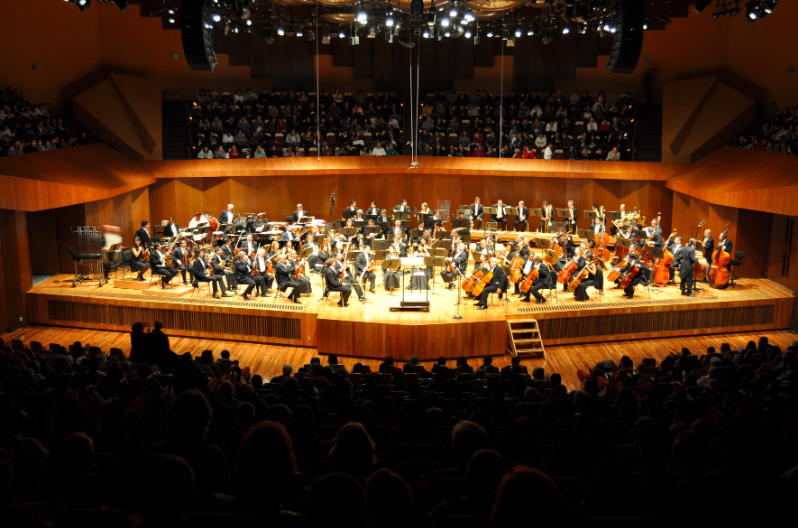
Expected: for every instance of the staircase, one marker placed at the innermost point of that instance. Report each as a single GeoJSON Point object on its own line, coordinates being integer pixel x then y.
{"type": "Point", "coordinates": [648, 134]}
{"type": "Point", "coordinates": [175, 130]}
{"type": "Point", "coordinates": [523, 339]}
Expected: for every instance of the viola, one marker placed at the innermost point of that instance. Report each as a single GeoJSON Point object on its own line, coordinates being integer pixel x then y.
{"type": "Point", "coordinates": [482, 283]}
{"type": "Point", "coordinates": [565, 274]}
{"type": "Point", "coordinates": [719, 272]}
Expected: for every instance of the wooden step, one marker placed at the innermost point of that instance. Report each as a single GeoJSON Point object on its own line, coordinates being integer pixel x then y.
{"type": "Point", "coordinates": [524, 330]}
{"type": "Point", "coordinates": [526, 341]}
{"type": "Point", "coordinates": [530, 345]}
{"type": "Point", "coordinates": [132, 284]}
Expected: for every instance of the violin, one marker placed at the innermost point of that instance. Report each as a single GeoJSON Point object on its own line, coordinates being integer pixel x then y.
{"type": "Point", "coordinates": [482, 283]}
{"type": "Point", "coordinates": [299, 269]}
{"type": "Point", "coordinates": [146, 257]}
{"type": "Point", "coordinates": [719, 273]}
{"type": "Point", "coordinates": [343, 269]}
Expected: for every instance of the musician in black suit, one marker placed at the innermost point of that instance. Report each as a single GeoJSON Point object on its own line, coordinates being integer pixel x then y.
{"type": "Point", "coordinates": [249, 245]}
{"type": "Point", "coordinates": [497, 284]}
{"type": "Point", "coordinates": [299, 213]}
{"type": "Point", "coordinates": [402, 207]}
{"type": "Point", "coordinates": [170, 229]}
{"type": "Point", "coordinates": [368, 237]}
{"type": "Point", "coordinates": [218, 264]}
{"type": "Point", "coordinates": [541, 282]}
{"type": "Point", "coordinates": [373, 209]}
{"type": "Point", "coordinates": [580, 263]}
{"type": "Point", "coordinates": [477, 211]}
{"type": "Point", "coordinates": [144, 235]}
{"type": "Point", "coordinates": [686, 259]}
{"type": "Point", "coordinates": [397, 229]}
{"type": "Point", "coordinates": [500, 216]}
{"type": "Point", "coordinates": [361, 265]}
{"type": "Point", "coordinates": [522, 218]}
{"type": "Point", "coordinates": [546, 217]}
{"type": "Point", "coordinates": [460, 260]}
{"type": "Point", "coordinates": [570, 217]}
{"type": "Point", "coordinates": [263, 280]}
{"type": "Point", "coordinates": [290, 238]}
{"type": "Point", "coordinates": [137, 262]}
{"type": "Point", "coordinates": [675, 247]}
{"type": "Point", "coordinates": [348, 278]}
{"type": "Point", "coordinates": [199, 273]}
{"type": "Point", "coordinates": [384, 218]}
{"type": "Point", "coordinates": [160, 266]}
{"type": "Point", "coordinates": [333, 280]}
{"type": "Point", "coordinates": [180, 259]}
{"type": "Point", "coordinates": [227, 217]}
{"type": "Point", "coordinates": [284, 272]}
{"type": "Point", "coordinates": [243, 274]}
{"type": "Point", "coordinates": [352, 209]}
{"type": "Point", "coordinates": [228, 253]}
{"type": "Point", "coordinates": [709, 244]}
{"type": "Point", "coordinates": [640, 278]}
{"type": "Point", "coordinates": [250, 225]}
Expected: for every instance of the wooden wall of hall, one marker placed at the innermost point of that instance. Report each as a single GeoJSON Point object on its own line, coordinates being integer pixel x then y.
{"type": "Point", "coordinates": [749, 231]}
{"type": "Point", "coordinates": [15, 268]}
{"type": "Point", "coordinates": [277, 196]}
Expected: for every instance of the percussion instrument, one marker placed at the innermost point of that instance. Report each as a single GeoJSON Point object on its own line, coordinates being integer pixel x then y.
{"type": "Point", "coordinates": [201, 220]}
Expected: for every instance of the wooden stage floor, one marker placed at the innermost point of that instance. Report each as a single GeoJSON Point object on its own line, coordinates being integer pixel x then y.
{"type": "Point", "coordinates": [372, 330]}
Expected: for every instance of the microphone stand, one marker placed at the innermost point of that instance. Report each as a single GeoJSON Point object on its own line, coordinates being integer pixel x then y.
{"type": "Point", "coordinates": [459, 291]}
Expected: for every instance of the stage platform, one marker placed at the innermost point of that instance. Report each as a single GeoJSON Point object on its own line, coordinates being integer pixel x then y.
{"type": "Point", "coordinates": [372, 330]}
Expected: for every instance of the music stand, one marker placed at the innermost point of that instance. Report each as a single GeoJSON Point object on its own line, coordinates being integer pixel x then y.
{"type": "Point", "coordinates": [391, 264]}
{"type": "Point", "coordinates": [348, 213]}
{"type": "Point", "coordinates": [349, 231]}
{"type": "Point", "coordinates": [405, 215]}
{"type": "Point", "coordinates": [359, 224]}
{"type": "Point", "coordinates": [655, 253]}
{"type": "Point", "coordinates": [380, 245]}
{"type": "Point", "coordinates": [584, 233]}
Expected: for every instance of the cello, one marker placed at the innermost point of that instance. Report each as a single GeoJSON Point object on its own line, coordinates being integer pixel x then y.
{"type": "Point", "coordinates": [515, 269]}
{"type": "Point", "coordinates": [471, 281]}
{"type": "Point", "coordinates": [628, 275]}
{"type": "Point", "coordinates": [566, 272]}
{"type": "Point", "coordinates": [527, 284]}
{"type": "Point", "coordinates": [482, 283]}
{"type": "Point", "coordinates": [662, 274]}
{"type": "Point", "coordinates": [719, 273]}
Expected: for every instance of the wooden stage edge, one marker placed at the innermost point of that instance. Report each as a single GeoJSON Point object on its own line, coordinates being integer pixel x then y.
{"type": "Point", "coordinates": [371, 330]}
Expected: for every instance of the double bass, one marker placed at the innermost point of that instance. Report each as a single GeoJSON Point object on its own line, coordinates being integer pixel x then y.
{"type": "Point", "coordinates": [700, 267]}
{"type": "Point", "coordinates": [718, 272]}
{"type": "Point", "coordinates": [662, 272]}
{"type": "Point", "coordinates": [601, 245]}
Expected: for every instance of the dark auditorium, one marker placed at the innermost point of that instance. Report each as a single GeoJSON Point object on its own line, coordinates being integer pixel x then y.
{"type": "Point", "coordinates": [545, 271]}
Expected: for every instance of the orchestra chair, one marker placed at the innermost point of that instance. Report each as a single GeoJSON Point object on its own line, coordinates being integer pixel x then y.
{"type": "Point", "coordinates": [736, 261]}
{"type": "Point", "coordinates": [200, 285]}
{"type": "Point", "coordinates": [154, 273]}
{"type": "Point", "coordinates": [325, 291]}
{"type": "Point", "coordinates": [127, 256]}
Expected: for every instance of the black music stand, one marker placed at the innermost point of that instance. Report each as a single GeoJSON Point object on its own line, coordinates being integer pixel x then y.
{"type": "Point", "coordinates": [348, 213]}
{"type": "Point", "coordinates": [391, 263]}
{"type": "Point", "coordinates": [621, 242]}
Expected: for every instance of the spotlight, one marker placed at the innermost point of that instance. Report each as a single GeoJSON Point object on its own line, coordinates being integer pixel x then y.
{"type": "Point", "coordinates": [447, 34]}
{"type": "Point", "coordinates": [469, 16]}
{"type": "Point", "coordinates": [768, 6]}
{"type": "Point", "coordinates": [464, 22]}
{"type": "Point", "coordinates": [234, 28]}
{"type": "Point", "coordinates": [700, 5]}
{"type": "Point", "coordinates": [468, 34]}
{"type": "Point", "coordinates": [518, 33]}
{"type": "Point", "coordinates": [445, 22]}
{"type": "Point", "coordinates": [280, 31]}
{"type": "Point", "coordinates": [530, 32]}
{"type": "Point", "coordinates": [665, 20]}
{"type": "Point", "coordinates": [341, 34]}
{"type": "Point", "coordinates": [647, 21]}
{"type": "Point", "coordinates": [566, 30]}
{"type": "Point", "coordinates": [299, 32]}
{"type": "Point", "coordinates": [171, 20]}
{"type": "Point", "coordinates": [389, 22]}
{"type": "Point", "coordinates": [249, 21]}
{"type": "Point", "coordinates": [362, 16]}
{"type": "Point", "coordinates": [425, 34]}
{"type": "Point", "coordinates": [84, 4]}
{"type": "Point", "coordinates": [606, 27]}
{"type": "Point", "coordinates": [613, 29]}
{"type": "Point", "coordinates": [490, 33]}
{"type": "Point", "coordinates": [171, 11]}
{"type": "Point", "coordinates": [217, 17]}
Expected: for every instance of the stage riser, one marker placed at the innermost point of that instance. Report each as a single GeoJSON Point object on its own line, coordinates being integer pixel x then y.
{"type": "Point", "coordinates": [427, 342]}
{"type": "Point", "coordinates": [584, 327]}
{"type": "Point", "coordinates": [258, 326]}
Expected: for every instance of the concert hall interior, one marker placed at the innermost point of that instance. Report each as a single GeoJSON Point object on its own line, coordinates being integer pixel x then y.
{"type": "Point", "coordinates": [396, 261]}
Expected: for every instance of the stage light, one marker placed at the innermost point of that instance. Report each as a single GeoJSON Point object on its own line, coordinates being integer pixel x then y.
{"type": "Point", "coordinates": [171, 11]}
{"type": "Point", "coordinates": [518, 33]}
{"type": "Point", "coordinates": [646, 22]}
{"type": "Point", "coordinates": [362, 16]}
{"type": "Point", "coordinates": [751, 11]}
{"type": "Point", "coordinates": [468, 34]}
{"type": "Point", "coordinates": [530, 32]}
{"type": "Point", "coordinates": [280, 31]}
{"type": "Point", "coordinates": [425, 34]}
{"type": "Point", "coordinates": [299, 32]}
{"type": "Point", "coordinates": [613, 29]}
{"type": "Point", "coordinates": [171, 20]}
{"type": "Point", "coordinates": [566, 30]}
{"type": "Point", "coordinates": [469, 16]}
{"type": "Point", "coordinates": [700, 5]}
{"type": "Point", "coordinates": [665, 20]}
{"type": "Point", "coordinates": [490, 33]}
{"type": "Point", "coordinates": [389, 22]}
{"type": "Point", "coordinates": [234, 28]}
{"type": "Point", "coordinates": [768, 6]}
{"type": "Point", "coordinates": [217, 17]}
{"type": "Point", "coordinates": [447, 34]}
{"type": "Point", "coordinates": [341, 34]}
{"type": "Point", "coordinates": [84, 4]}
{"type": "Point", "coordinates": [464, 22]}
{"type": "Point", "coordinates": [249, 21]}
{"type": "Point", "coordinates": [445, 22]}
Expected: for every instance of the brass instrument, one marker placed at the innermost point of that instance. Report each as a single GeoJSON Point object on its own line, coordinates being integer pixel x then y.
{"type": "Point", "coordinates": [628, 219]}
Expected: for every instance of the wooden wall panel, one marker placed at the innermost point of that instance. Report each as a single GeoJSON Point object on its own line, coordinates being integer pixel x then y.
{"type": "Point", "coordinates": [444, 65]}
{"type": "Point", "coordinates": [782, 263]}
{"type": "Point", "coordinates": [16, 270]}
{"type": "Point", "coordinates": [523, 65]}
{"type": "Point", "coordinates": [41, 236]}
{"type": "Point", "coordinates": [383, 64]}
{"type": "Point", "coordinates": [364, 59]}
{"type": "Point", "coordinates": [464, 58]}
{"type": "Point", "coordinates": [401, 68]}
{"type": "Point", "coordinates": [753, 239]}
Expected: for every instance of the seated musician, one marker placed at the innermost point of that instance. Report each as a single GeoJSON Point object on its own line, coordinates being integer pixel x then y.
{"type": "Point", "coordinates": [541, 282]}
{"type": "Point", "coordinates": [460, 261]}
{"type": "Point", "coordinates": [361, 266]}
{"type": "Point", "coordinates": [243, 274]}
{"type": "Point", "coordinates": [498, 284]}
{"type": "Point", "coordinates": [180, 259]}
{"type": "Point", "coordinates": [461, 231]}
{"type": "Point", "coordinates": [402, 207]}
{"type": "Point", "coordinates": [284, 273]}
{"type": "Point", "coordinates": [522, 218]}
{"type": "Point", "coordinates": [228, 253]}
{"type": "Point", "coordinates": [199, 273]}
{"type": "Point", "coordinates": [263, 280]}
{"type": "Point", "coordinates": [341, 266]}
{"type": "Point", "coordinates": [641, 277]}
{"type": "Point", "coordinates": [390, 277]}
{"type": "Point", "coordinates": [373, 210]}
{"type": "Point", "coordinates": [249, 245]}
{"type": "Point", "coordinates": [289, 237]}
{"type": "Point", "coordinates": [484, 262]}
{"type": "Point", "coordinates": [368, 237]}
{"type": "Point", "coordinates": [654, 233]}
{"type": "Point", "coordinates": [401, 245]}
{"type": "Point", "coordinates": [580, 263]}
{"type": "Point", "coordinates": [332, 278]}
{"type": "Point", "coordinates": [595, 279]}
{"type": "Point", "coordinates": [566, 242]}
{"type": "Point", "coordinates": [274, 248]}
{"type": "Point", "coordinates": [218, 264]}
{"type": "Point", "coordinates": [305, 285]}
{"type": "Point", "coordinates": [397, 229]}
{"type": "Point", "coordinates": [384, 218]}
{"type": "Point", "coordinates": [160, 266]}
{"type": "Point", "coordinates": [137, 263]}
